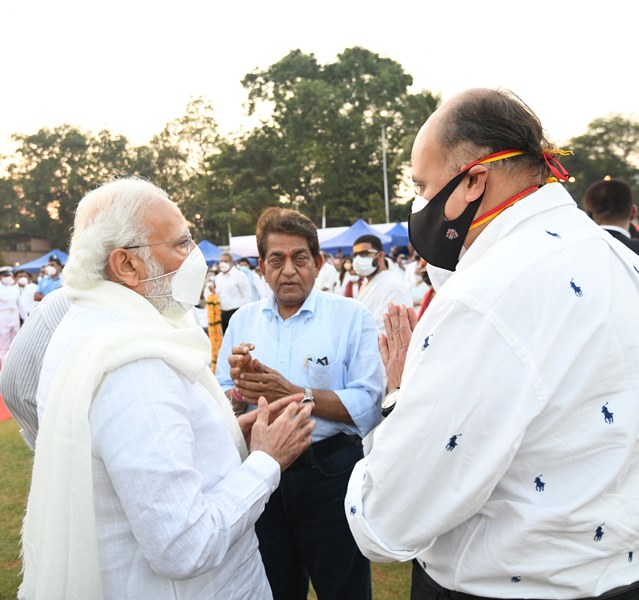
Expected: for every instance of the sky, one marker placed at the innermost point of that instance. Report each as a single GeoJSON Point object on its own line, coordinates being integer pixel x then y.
{"type": "Point", "coordinates": [132, 65]}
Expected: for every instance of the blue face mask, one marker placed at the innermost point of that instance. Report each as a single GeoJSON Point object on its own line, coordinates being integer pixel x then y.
{"type": "Point", "coordinates": [243, 268]}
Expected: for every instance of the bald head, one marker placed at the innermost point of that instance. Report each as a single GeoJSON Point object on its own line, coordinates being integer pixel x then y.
{"type": "Point", "coordinates": [480, 121]}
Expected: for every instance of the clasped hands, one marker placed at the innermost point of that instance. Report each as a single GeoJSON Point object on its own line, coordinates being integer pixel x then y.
{"type": "Point", "coordinates": [253, 379]}
{"type": "Point", "coordinates": [399, 323]}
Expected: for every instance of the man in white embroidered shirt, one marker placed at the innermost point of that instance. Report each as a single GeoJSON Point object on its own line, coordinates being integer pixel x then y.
{"type": "Point", "coordinates": [142, 487]}
{"type": "Point", "coordinates": [301, 338]}
{"type": "Point", "coordinates": [508, 466]}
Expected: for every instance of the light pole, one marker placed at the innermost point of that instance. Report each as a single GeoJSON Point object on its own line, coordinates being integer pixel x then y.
{"type": "Point", "coordinates": [368, 115]}
{"type": "Point", "coordinates": [386, 205]}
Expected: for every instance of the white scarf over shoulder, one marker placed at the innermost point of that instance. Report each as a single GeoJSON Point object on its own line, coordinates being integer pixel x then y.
{"type": "Point", "coordinates": [59, 541]}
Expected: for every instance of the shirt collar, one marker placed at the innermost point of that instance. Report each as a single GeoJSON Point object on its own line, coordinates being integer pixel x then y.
{"type": "Point", "coordinates": [547, 197]}
{"type": "Point", "coordinates": [620, 230]}
{"type": "Point", "coordinates": [271, 309]}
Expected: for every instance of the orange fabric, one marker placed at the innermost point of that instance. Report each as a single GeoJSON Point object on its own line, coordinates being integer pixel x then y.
{"type": "Point", "coordinates": [214, 313]}
{"type": "Point", "coordinates": [426, 300]}
{"type": "Point", "coordinates": [5, 415]}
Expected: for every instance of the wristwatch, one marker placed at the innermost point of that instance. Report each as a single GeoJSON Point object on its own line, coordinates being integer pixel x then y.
{"type": "Point", "coordinates": [308, 395]}
{"type": "Point", "coordinates": [389, 401]}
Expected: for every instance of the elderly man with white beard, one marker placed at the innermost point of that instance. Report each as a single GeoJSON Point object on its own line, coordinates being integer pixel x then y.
{"type": "Point", "coordinates": [142, 484]}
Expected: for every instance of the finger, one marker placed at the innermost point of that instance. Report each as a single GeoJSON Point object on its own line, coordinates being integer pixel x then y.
{"type": "Point", "coordinates": [383, 348]}
{"type": "Point", "coordinates": [412, 318]}
{"type": "Point", "coordinates": [262, 412]}
{"type": "Point", "coordinates": [277, 406]}
{"type": "Point", "coordinates": [259, 367]}
{"type": "Point", "coordinates": [387, 326]}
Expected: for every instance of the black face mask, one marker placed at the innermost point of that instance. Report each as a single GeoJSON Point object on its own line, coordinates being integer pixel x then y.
{"type": "Point", "coordinates": [436, 239]}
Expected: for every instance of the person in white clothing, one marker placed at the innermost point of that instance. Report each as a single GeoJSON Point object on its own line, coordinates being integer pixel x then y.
{"type": "Point", "coordinates": [508, 465]}
{"type": "Point", "coordinates": [258, 285]}
{"type": "Point", "coordinates": [232, 288]}
{"type": "Point", "coordinates": [142, 484]}
{"type": "Point", "coordinates": [328, 276]}
{"type": "Point", "coordinates": [9, 311]}
{"type": "Point", "coordinates": [382, 285]}
{"type": "Point", "coordinates": [26, 302]}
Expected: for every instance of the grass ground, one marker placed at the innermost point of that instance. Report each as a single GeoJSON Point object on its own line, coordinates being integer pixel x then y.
{"type": "Point", "coordinates": [390, 581]}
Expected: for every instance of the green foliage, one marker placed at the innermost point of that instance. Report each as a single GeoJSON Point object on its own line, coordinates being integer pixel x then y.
{"type": "Point", "coordinates": [609, 147]}
{"type": "Point", "coordinates": [15, 478]}
{"type": "Point", "coordinates": [318, 147]}
{"type": "Point", "coordinates": [322, 136]}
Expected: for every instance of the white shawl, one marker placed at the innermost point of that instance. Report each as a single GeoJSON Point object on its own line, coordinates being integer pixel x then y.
{"type": "Point", "coordinates": [59, 542]}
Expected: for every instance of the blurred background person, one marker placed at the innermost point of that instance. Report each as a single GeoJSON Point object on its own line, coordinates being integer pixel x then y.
{"type": "Point", "coordinates": [328, 276]}
{"type": "Point", "coordinates": [9, 312]}
{"type": "Point", "coordinates": [232, 288]}
{"type": "Point", "coordinates": [51, 280]}
{"type": "Point", "coordinates": [27, 289]}
{"type": "Point", "coordinates": [381, 285]}
{"type": "Point", "coordinates": [609, 204]}
{"type": "Point", "coordinates": [258, 290]}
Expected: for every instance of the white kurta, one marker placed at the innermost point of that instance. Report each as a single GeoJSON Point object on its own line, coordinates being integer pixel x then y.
{"type": "Point", "coordinates": [175, 507]}
{"type": "Point", "coordinates": [377, 292]}
{"type": "Point", "coordinates": [510, 465]}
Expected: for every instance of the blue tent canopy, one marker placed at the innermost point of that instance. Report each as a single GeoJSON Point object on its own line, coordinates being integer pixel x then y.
{"type": "Point", "coordinates": [211, 252]}
{"type": "Point", "coordinates": [344, 241]}
{"type": "Point", "coordinates": [33, 266]}
{"type": "Point", "coordinates": [399, 235]}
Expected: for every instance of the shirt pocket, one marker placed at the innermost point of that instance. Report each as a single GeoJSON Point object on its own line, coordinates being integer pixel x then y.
{"type": "Point", "coordinates": [326, 377]}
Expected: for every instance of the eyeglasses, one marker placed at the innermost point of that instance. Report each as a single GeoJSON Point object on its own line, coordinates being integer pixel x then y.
{"type": "Point", "coordinates": [366, 253]}
{"type": "Point", "coordinates": [183, 243]}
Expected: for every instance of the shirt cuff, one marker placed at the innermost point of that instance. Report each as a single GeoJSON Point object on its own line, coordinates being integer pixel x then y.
{"type": "Point", "coordinates": [265, 466]}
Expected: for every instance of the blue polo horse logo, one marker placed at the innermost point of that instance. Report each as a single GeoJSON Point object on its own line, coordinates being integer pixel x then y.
{"type": "Point", "coordinates": [576, 288]}
{"type": "Point", "coordinates": [608, 416]}
{"type": "Point", "coordinates": [599, 532]}
{"type": "Point", "coordinates": [539, 484]}
{"type": "Point", "coordinates": [452, 443]}
{"type": "Point", "coordinates": [553, 234]}
{"type": "Point", "coordinates": [515, 579]}
{"type": "Point", "coordinates": [426, 342]}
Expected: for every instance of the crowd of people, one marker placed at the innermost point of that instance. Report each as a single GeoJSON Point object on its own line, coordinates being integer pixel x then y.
{"type": "Point", "coordinates": [469, 403]}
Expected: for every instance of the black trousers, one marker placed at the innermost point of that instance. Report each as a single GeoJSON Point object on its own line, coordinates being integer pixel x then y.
{"type": "Point", "coordinates": [424, 587]}
{"type": "Point", "coordinates": [226, 317]}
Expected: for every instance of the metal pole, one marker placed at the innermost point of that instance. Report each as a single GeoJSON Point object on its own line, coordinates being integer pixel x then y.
{"type": "Point", "coordinates": [386, 206]}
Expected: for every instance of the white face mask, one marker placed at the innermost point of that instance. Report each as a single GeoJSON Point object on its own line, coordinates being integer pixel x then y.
{"type": "Point", "coordinates": [438, 276]}
{"type": "Point", "coordinates": [187, 281]}
{"type": "Point", "coordinates": [22, 281]}
{"type": "Point", "coordinates": [50, 270]}
{"type": "Point", "coordinates": [419, 202]}
{"type": "Point", "coordinates": [364, 265]}
{"type": "Point", "coordinates": [7, 280]}
{"type": "Point", "coordinates": [353, 278]}
{"type": "Point", "coordinates": [224, 267]}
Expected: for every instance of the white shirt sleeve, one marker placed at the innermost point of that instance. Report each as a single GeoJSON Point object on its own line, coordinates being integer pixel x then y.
{"type": "Point", "coordinates": [457, 424]}
{"type": "Point", "coordinates": [174, 469]}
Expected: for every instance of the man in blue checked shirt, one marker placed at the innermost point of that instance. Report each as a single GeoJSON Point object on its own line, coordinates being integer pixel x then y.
{"type": "Point", "coordinates": [304, 340]}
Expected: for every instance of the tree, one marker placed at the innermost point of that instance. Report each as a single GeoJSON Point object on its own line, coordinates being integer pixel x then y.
{"type": "Point", "coordinates": [609, 147]}
{"type": "Point", "coordinates": [323, 128]}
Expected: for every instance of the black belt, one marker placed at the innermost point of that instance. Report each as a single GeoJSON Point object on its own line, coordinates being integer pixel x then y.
{"type": "Point", "coordinates": [622, 592]}
{"type": "Point", "coordinates": [324, 448]}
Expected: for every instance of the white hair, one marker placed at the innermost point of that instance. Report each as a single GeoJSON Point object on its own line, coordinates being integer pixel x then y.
{"type": "Point", "coordinates": [109, 217]}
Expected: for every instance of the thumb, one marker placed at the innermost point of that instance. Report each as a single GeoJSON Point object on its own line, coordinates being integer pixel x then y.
{"type": "Point", "coordinates": [262, 412]}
